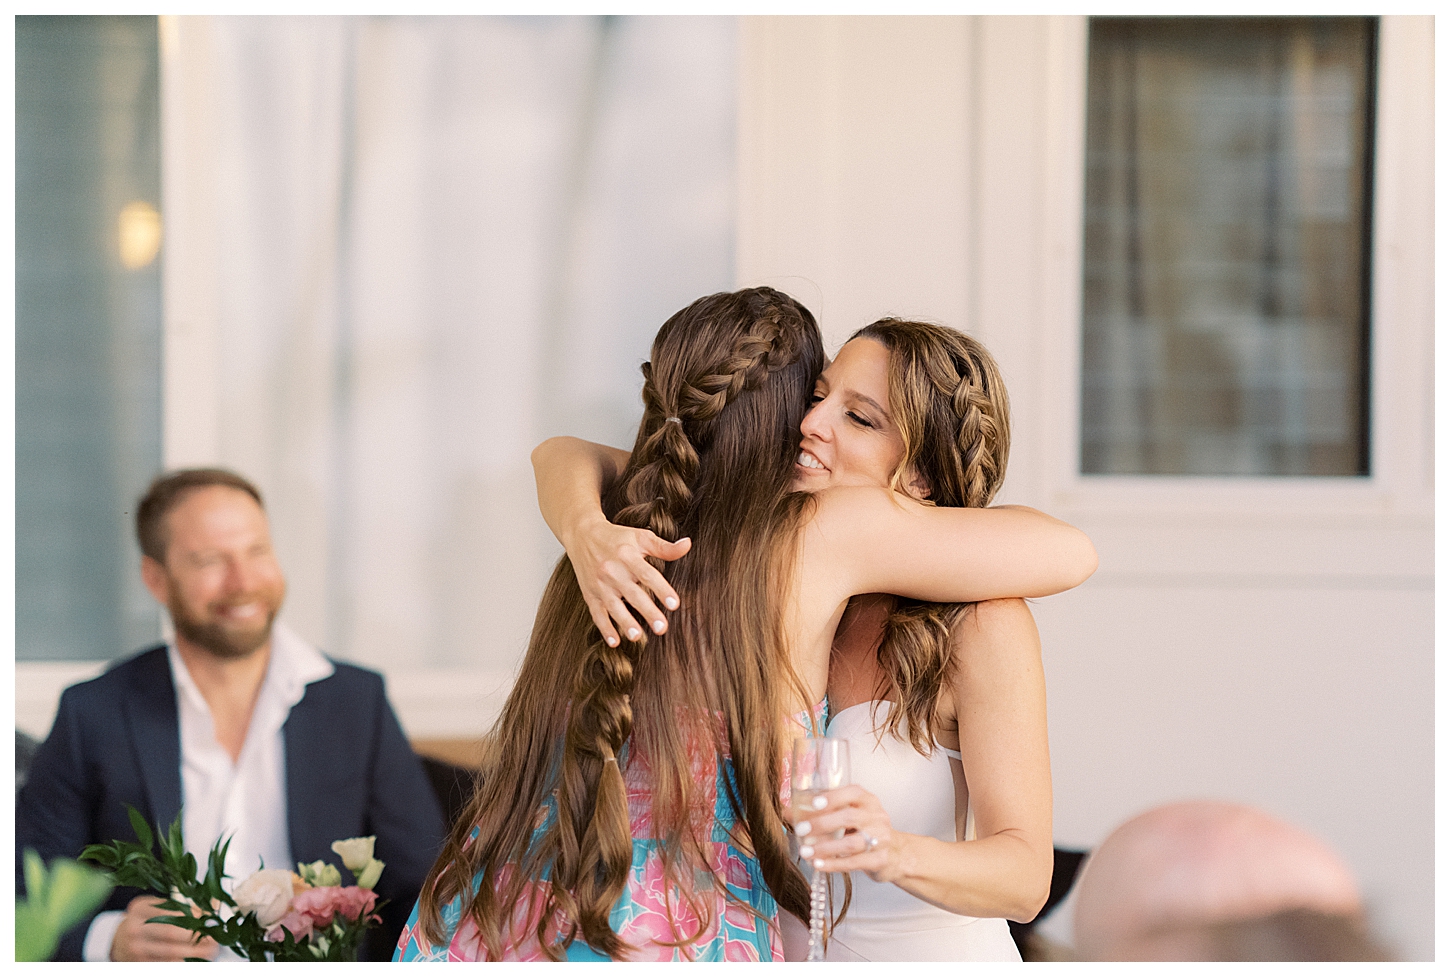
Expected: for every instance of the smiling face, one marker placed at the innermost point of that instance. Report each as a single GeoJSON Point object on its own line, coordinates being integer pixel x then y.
{"type": "Point", "coordinates": [220, 580]}
{"type": "Point", "coordinates": [849, 436]}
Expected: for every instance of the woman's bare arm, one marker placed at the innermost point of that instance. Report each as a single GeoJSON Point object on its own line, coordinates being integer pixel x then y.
{"type": "Point", "coordinates": [863, 540]}
{"type": "Point", "coordinates": [571, 476]}
{"type": "Point", "coordinates": [1001, 704]}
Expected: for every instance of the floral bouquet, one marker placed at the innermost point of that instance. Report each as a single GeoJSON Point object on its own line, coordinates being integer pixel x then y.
{"type": "Point", "coordinates": [274, 914]}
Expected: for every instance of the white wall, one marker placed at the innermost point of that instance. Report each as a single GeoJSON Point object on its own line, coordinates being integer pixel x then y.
{"type": "Point", "coordinates": [854, 194]}
{"type": "Point", "coordinates": [1266, 641]}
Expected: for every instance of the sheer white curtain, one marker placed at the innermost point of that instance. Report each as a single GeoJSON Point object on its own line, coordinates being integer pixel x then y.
{"type": "Point", "coordinates": [401, 251]}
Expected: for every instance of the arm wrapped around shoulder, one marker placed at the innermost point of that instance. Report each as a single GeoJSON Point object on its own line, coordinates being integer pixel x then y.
{"type": "Point", "coordinates": [881, 541]}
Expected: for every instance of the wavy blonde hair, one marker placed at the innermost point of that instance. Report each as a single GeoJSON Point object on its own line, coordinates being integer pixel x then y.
{"type": "Point", "coordinates": [950, 405]}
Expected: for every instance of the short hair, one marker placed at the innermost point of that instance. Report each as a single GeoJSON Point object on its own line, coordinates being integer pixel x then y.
{"type": "Point", "coordinates": [1198, 863]}
{"type": "Point", "coordinates": [1302, 935]}
{"type": "Point", "coordinates": [166, 493]}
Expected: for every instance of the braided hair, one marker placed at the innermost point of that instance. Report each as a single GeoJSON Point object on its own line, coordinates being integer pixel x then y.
{"type": "Point", "coordinates": [725, 390]}
{"type": "Point", "coordinates": [949, 403]}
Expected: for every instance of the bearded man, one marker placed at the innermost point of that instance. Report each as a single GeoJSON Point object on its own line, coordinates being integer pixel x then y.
{"type": "Point", "coordinates": [236, 723]}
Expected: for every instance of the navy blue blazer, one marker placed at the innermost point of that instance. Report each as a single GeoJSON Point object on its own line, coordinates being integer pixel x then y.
{"type": "Point", "coordinates": [350, 773]}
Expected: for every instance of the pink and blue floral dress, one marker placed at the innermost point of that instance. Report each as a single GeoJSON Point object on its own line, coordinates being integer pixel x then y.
{"type": "Point", "coordinates": [739, 924]}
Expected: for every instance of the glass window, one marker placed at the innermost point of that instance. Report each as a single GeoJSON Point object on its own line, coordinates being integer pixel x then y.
{"type": "Point", "coordinates": [1226, 246]}
{"type": "Point", "coordinates": [87, 330]}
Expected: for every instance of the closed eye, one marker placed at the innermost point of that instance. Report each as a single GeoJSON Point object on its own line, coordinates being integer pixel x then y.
{"type": "Point", "coordinates": [859, 419]}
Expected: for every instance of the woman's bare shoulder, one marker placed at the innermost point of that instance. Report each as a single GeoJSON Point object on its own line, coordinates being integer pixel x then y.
{"type": "Point", "coordinates": [991, 618]}
{"type": "Point", "coordinates": [856, 507]}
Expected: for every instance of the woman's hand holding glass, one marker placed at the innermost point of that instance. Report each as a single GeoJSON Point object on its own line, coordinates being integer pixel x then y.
{"type": "Point", "coordinates": [849, 832]}
{"type": "Point", "coordinates": [614, 575]}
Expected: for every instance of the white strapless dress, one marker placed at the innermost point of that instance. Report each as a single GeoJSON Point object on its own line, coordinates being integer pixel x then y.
{"type": "Point", "coordinates": [885, 922]}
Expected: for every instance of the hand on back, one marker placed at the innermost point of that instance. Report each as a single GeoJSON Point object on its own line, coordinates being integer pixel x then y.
{"type": "Point", "coordinates": [614, 575]}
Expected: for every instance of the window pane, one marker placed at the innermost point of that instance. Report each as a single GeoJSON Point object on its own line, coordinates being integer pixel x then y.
{"type": "Point", "coordinates": [1225, 248]}
{"type": "Point", "coordinates": [87, 330]}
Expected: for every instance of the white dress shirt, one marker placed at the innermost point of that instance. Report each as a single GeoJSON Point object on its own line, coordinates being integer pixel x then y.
{"type": "Point", "coordinates": [246, 800]}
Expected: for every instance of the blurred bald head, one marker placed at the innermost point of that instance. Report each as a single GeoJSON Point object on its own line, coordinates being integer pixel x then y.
{"type": "Point", "coordinates": [1201, 863]}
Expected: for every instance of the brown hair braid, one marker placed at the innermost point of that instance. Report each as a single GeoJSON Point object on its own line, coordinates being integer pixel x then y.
{"type": "Point", "coordinates": [725, 390]}
{"type": "Point", "coordinates": [950, 404]}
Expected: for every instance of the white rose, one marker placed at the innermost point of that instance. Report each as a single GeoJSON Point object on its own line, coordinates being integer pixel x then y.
{"type": "Point", "coordinates": [268, 893]}
{"type": "Point", "coordinates": [355, 852]}
{"type": "Point", "coordinates": [368, 877]}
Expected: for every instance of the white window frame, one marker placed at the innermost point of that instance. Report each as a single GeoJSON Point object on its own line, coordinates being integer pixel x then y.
{"type": "Point", "coordinates": [1401, 325]}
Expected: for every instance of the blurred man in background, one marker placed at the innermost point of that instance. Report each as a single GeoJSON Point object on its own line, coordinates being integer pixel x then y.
{"type": "Point", "coordinates": [1206, 880]}
{"type": "Point", "coordinates": [237, 723]}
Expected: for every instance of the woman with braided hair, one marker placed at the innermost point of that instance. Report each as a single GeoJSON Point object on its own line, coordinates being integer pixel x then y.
{"type": "Point", "coordinates": [628, 803]}
{"type": "Point", "coordinates": [935, 698]}
{"type": "Point", "coordinates": [631, 807]}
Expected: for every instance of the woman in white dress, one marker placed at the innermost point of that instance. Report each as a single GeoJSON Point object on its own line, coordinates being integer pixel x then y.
{"type": "Point", "coordinates": [935, 699]}
{"type": "Point", "coordinates": [936, 868]}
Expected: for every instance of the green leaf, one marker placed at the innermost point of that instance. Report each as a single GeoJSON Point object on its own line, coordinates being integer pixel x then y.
{"type": "Point", "coordinates": [74, 892]}
{"type": "Point", "coordinates": [34, 875]}
{"type": "Point", "coordinates": [174, 844]}
{"type": "Point", "coordinates": [56, 899]}
{"type": "Point", "coordinates": [35, 939]}
{"type": "Point", "coordinates": [186, 922]}
{"type": "Point", "coordinates": [106, 856]}
{"type": "Point", "coordinates": [214, 892]}
{"type": "Point", "coordinates": [139, 825]}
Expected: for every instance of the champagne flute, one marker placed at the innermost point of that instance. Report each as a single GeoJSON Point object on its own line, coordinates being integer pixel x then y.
{"type": "Point", "coordinates": [817, 764]}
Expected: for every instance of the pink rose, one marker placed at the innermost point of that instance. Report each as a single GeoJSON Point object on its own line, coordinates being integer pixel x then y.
{"type": "Point", "coordinates": [326, 901]}
{"type": "Point", "coordinates": [298, 924]}
{"type": "Point", "coordinates": [353, 901]}
{"type": "Point", "coordinates": [315, 908]}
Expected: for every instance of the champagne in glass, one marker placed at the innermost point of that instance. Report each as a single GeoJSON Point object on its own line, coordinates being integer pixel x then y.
{"type": "Point", "coordinates": [817, 764]}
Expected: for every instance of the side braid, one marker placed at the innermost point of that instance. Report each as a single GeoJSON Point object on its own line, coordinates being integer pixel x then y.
{"type": "Point", "coordinates": [659, 492]}
{"type": "Point", "coordinates": [982, 438]}
{"type": "Point", "coordinates": [660, 488]}
{"type": "Point", "coordinates": [754, 356]}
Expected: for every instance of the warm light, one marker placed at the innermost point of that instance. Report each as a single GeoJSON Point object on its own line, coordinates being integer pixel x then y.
{"type": "Point", "coordinates": [140, 232]}
{"type": "Point", "coordinates": [167, 30]}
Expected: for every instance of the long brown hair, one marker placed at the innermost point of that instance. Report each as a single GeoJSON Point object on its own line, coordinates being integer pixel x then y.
{"type": "Point", "coordinates": [726, 388]}
{"type": "Point", "coordinates": [950, 404]}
